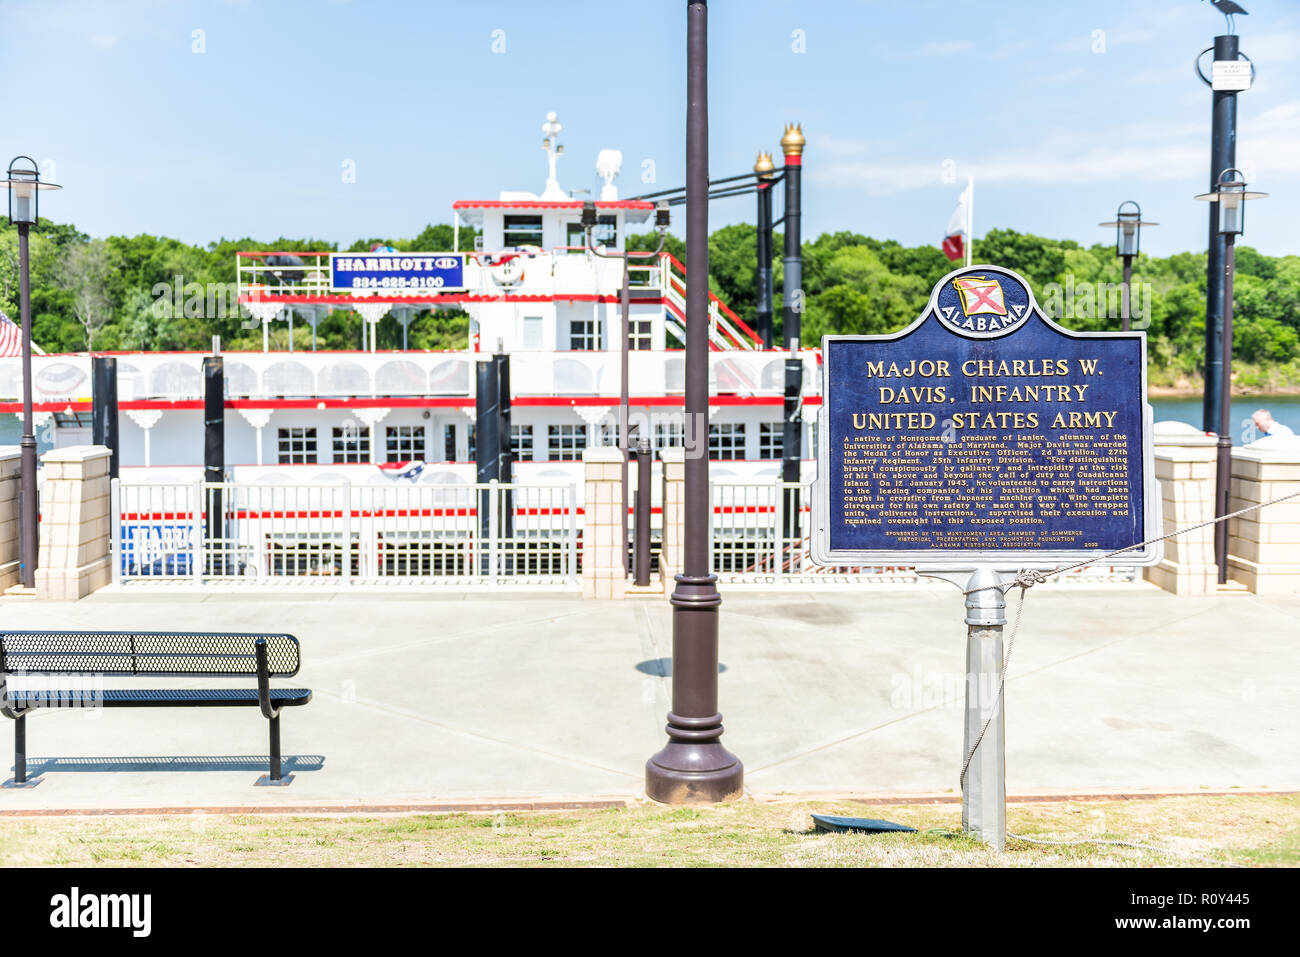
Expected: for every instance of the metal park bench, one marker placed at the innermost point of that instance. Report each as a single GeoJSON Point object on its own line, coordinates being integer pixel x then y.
{"type": "Point", "coordinates": [92, 654]}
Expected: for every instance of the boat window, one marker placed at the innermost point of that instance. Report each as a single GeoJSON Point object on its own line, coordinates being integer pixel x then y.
{"type": "Point", "coordinates": [727, 440]}
{"type": "Point", "coordinates": [405, 443]}
{"type": "Point", "coordinates": [605, 234]}
{"type": "Point", "coordinates": [771, 436]}
{"type": "Point", "coordinates": [564, 443]}
{"type": "Point", "coordinates": [525, 230]}
{"type": "Point", "coordinates": [671, 432]}
{"type": "Point", "coordinates": [521, 442]}
{"type": "Point", "coordinates": [351, 444]}
{"type": "Point", "coordinates": [296, 446]}
{"type": "Point", "coordinates": [640, 335]}
{"type": "Point", "coordinates": [606, 231]}
{"type": "Point", "coordinates": [584, 335]}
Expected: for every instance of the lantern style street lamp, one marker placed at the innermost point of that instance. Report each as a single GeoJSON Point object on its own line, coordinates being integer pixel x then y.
{"type": "Point", "coordinates": [24, 185]}
{"type": "Point", "coordinates": [1128, 233]}
{"type": "Point", "coordinates": [1230, 195]}
{"type": "Point", "coordinates": [694, 767]}
{"type": "Point", "coordinates": [662, 222]}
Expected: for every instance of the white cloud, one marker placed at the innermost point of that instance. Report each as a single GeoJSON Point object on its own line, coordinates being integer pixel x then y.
{"type": "Point", "coordinates": [103, 42]}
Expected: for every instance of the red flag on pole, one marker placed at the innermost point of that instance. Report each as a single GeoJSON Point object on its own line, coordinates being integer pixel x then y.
{"type": "Point", "coordinates": [955, 240]}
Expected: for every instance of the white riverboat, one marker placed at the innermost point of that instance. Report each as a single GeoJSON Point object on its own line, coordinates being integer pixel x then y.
{"type": "Point", "coordinates": [397, 422]}
{"type": "Point", "coordinates": [532, 290]}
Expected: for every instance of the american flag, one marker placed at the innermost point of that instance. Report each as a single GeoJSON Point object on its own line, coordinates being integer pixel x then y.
{"type": "Point", "coordinates": [11, 337]}
{"type": "Point", "coordinates": [406, 470]}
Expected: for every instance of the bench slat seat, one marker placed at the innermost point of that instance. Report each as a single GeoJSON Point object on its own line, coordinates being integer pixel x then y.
{"type": "Point", "coordinates": [154, 697]}
{"type": "Point", "coordinates": [139, 654]}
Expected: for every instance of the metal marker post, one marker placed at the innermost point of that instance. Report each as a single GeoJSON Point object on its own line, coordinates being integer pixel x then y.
{"type": "Point", "coordinates": [984, 796]}
{"type": "Point", "coordinates": [984, 783]}
{"type": "Point", "coordinates": [644, 463]}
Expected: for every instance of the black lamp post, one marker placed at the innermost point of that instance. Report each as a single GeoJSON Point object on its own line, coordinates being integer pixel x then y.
{"type": "Point", "coordinates": [1128, 232]}
{"type": "Point", "coordinates": [694, 767]}
{"type": "Point", "coordinates": [1230, 195]}
{"type": "Point", "coordinates": [662, 222]}
{"type": "Point", "coordinates": [764, 170]}
{"type": "Point", "coordinates": [24, 187]}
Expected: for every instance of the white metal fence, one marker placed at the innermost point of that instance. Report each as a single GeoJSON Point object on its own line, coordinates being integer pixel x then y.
{"type": "Point", "coordinates": [343, 534]}
{"type": "Point", "coordinates": [459, 535]}
{"type": "Point", "coordinates": [760, 536]}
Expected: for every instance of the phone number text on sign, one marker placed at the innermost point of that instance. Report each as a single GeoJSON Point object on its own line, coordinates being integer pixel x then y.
{"type": "Point", "coordinates": [397, 271]}
{"type": "Point", "coordinates": [399, 282]}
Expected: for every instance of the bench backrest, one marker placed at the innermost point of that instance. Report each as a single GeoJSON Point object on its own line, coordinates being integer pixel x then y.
{"type": "Point", "coordinates": [178, 654]}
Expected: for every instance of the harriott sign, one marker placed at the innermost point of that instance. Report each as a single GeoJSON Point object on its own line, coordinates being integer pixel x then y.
{"type": "Point", "coordinates": [984, 434]}
{"type": "Point", "coordinates": [397, 272]}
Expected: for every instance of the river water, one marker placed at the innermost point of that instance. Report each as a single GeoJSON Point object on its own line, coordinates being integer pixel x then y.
{"type": "Point", "coordinates": [1285, 409]}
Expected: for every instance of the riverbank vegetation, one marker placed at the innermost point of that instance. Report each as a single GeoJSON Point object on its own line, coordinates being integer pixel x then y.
{"type": "Point", "coordinates": [102, 293]}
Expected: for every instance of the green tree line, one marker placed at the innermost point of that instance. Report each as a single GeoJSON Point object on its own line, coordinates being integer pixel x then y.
{"type": "Point", "coordinates": [90, 293]}
{"type": "Point", "coordinates": [103, 294]}
{"type": "Point", "coordinates": [854, 284]}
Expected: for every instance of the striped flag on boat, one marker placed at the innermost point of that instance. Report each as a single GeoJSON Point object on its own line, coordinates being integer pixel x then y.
{"type": "Point", "coordinates": [406, 470]}
{"type": "Point", "coordinates": [11, 337]}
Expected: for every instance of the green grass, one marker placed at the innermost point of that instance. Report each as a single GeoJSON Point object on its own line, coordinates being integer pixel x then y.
{"type": "Point", "coordinates": [1245, 830]}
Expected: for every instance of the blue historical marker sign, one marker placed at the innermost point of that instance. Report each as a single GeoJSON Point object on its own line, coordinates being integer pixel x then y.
{"type": "Point", "coordinates": [984, 433]}
{"type": "Point", "coordinates": [397, 272]}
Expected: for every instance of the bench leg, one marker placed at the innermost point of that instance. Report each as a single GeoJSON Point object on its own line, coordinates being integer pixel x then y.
{"type": "Point", "coordinates": [20, 751]}
{"type": "Point", "coordinates": [275, 748]}
{"type": "Point", "coordinates": [19, 780]}
{"type": "Point", "coordinates": [275, 779]}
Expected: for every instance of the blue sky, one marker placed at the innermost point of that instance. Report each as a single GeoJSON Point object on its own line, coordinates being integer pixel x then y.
{"type": "Point", "coordinates": [1060, 110]}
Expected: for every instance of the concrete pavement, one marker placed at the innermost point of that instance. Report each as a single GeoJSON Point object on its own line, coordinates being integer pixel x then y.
{"type": "Point", "coordinates": [444, 696]}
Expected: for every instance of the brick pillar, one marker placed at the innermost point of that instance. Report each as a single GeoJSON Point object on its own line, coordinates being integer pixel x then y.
{"type": "Point", "coordinates": [75, 555]}
{"type": "Point", "coordinates": [602, 565]}
{"type": "Point", "coordinates": [1185, 470]}
{"type": "Point", "coordinates": [10, 478]}
{"type": "Point", "coordinates": [1264, 545]}
{"type": "Point", "coordinates": [674, 490]}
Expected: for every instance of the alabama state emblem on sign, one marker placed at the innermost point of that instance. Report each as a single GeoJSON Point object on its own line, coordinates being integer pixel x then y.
{"type": "Point", "coordinates": [983, 303]}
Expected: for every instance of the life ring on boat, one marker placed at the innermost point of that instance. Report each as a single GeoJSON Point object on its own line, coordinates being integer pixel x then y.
{"type": "Point", "coordinates": [506, 269]}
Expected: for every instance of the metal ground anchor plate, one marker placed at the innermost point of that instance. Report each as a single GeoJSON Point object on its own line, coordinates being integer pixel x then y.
{"type": "Point", "coordinates": [265, 781]}
{"type": "Point", "coordinates": [857, 825]}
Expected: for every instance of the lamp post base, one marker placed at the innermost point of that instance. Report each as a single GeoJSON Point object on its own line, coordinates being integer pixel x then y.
{"type": "Point", "coordinates": [694, 772]}
{"type": "Point", "coordinates": [694, 767]}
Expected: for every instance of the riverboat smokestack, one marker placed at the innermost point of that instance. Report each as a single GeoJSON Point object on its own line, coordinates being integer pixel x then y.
{"type": "Point", "coordinates": [214, 452]}
{"type": "Point", "coordinates": [104, 408]}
